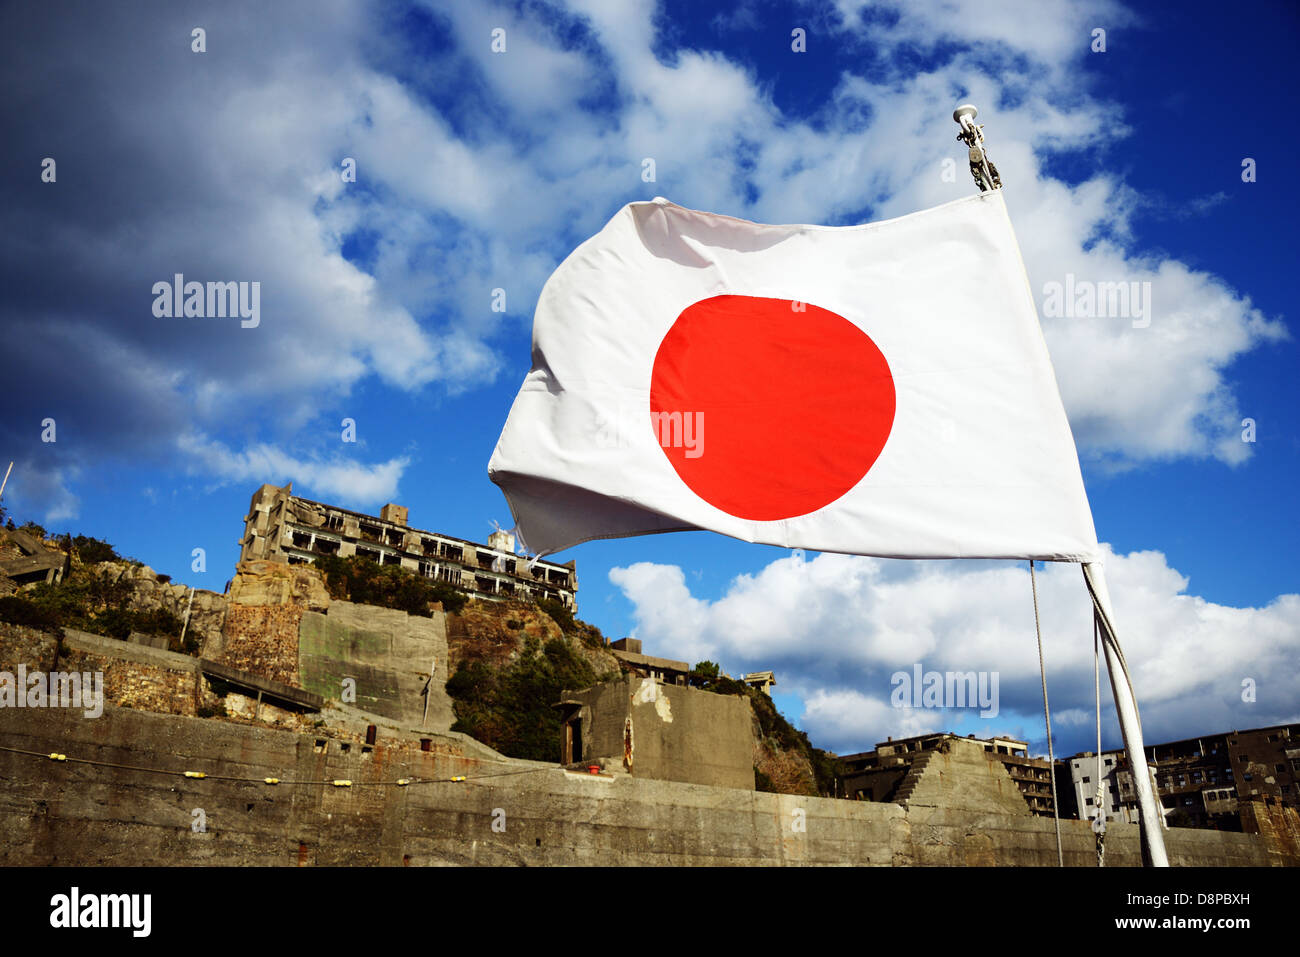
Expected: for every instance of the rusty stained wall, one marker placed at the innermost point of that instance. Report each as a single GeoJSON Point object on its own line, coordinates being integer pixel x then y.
{"type": "Point", "coordinates": [675, 734]}
{"type": "Point", "coordinates": [1277, 824]}
{"type": "Point", "coordinates": [263, 639]}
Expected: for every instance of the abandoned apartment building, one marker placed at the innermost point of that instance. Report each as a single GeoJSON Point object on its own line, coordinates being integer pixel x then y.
{"type": "Point", "coordinates": [878, 775]}
{"type": "Point", "coordinates": [1204, 778]}
{"type": "Point", "coordinates": [281, 526]}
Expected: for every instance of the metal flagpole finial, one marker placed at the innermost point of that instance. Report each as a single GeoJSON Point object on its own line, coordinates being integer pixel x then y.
{"type": "Point", "coordinates": [984, 172]}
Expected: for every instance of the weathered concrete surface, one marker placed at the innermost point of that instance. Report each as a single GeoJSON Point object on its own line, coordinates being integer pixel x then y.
{"type": "Point", "coordinates": [66, 813]}
{"type": "Point", "coordinates": [959, 776]}
{"type": "Point", "coordinates": [388, 653]}
{"type": "Point", "coordinates": [668, 732]}
{"type": "Point", "coordinates": [84, 641]}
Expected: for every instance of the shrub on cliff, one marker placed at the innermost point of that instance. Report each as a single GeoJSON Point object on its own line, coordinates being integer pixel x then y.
{"type": "Point", "coordinates": [363, 581]}
{"type": "Point", "coordinates": [94, 550]}
{"type": "Point", "coordinates": [18, 610]}
{"type": "Point", "coordinates": [511, 709]}
{"type": "Point", "coordinates": [558, 612]}
{"type": "Point", "coordinates": [588, 634]}
{"type": "Point", "coordinates": [35, 531]}
{"type": "Point", "coordinates": [90, 602]}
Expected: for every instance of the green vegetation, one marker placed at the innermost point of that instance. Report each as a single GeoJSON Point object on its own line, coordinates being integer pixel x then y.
{"type": "Point", "coordinates": [389, 586]}
{"type": "Point", "coordinates": [36, 531]}
{"type": "Point", "coordinates": [588, 634]}
{"type": "Point", "coordinates": [511, 709]}
{"type": "Point", "coordinates": [705, 673]}
{"type": "Point", "coordinates": [708, 676]}
{"type": "Point", "coordinates": [559, 614]}
{"type": "Point", "coordinates": [89, 602]}
{"type": "Point", "coordinates": [92, 550]}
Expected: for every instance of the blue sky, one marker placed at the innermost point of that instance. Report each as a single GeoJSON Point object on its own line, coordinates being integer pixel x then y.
{"type": "Point", "coordinates": [479, 170]}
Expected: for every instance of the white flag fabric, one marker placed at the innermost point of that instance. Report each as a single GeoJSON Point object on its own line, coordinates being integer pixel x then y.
{"type": "Point", "coordinates": [881, 389]}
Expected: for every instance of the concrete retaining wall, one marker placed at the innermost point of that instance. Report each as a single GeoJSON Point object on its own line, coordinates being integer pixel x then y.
{"type": "Point", "coordinates": [66, 813]}
{"type": "Point", "coordinates": [387, 653]}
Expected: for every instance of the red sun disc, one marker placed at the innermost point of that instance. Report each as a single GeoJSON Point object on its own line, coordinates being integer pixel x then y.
{"type": "Point", "coordinates": [767, 408]}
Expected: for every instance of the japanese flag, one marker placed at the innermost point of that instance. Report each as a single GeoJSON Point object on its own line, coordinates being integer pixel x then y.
{"type": "Point", "coordinates": [881, 389]}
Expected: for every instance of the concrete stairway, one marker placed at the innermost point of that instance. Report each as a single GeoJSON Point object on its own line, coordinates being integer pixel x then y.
{"type": "Point", "coordinates": [908, 785]}
{"type": "Point", "coordinates": [961, 777]}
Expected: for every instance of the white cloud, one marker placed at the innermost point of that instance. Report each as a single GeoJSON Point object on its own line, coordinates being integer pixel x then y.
{"type": "Point", "coordinates": [233, 170]}
{"type": "Point", "coordinates": [837, 627]}
{"type": "Point", "coordinates": [1164, 393]}
{"type": "Point", "coordinates": [336, 479]}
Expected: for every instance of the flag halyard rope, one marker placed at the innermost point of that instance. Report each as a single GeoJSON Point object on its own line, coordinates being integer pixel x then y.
{"type": "Point", "coordinates": [1047, 717]}
{"type": "Point", "coordinates": [1099, 822]}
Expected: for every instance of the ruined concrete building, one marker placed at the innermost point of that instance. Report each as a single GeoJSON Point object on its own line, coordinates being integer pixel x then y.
{"type": "Point", "coordinates": [281, 526]}
{"type": "Point", "coordinates": [660, 730]}
{"type": "Point", "coordinates": [1206, 778]}
{"type": "Point", "coordinates": [667, 670]}
{"type": "Point", "coordinates": [25, 560]}
{"type": "Point", "coordinates": [884, 774]}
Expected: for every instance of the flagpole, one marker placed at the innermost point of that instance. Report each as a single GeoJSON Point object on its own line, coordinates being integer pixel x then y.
{"type": "Point", "coordinates": [1130, 723]}
{"type": "Point", "coordinates": [986, 177]}
{"type": "Point", "coordinates": [984, 172]}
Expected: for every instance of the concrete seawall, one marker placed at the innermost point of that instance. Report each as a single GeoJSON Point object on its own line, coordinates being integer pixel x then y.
{"type": "Point", "coordinates": [506, 812]}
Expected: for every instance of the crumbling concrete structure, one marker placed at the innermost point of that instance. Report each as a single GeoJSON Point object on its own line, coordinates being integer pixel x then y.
{"type": "Point", "coordinates": [666, 732]}
{"type": "Point", "coordinates": [883, 774]}
{"type": "Point", "coordinates": [284, 527]}
{"type": "Point", "coordinates": [25, 560]}
{"type": "Point", "coordinates": [78, 814]}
